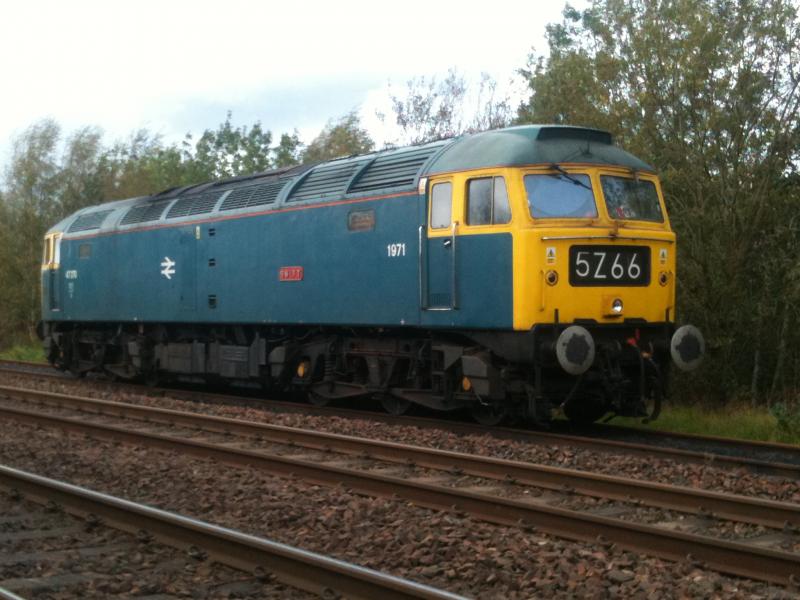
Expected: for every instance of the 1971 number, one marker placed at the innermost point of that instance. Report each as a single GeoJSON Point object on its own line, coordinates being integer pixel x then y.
{"type": "Point", "coordinates": [395, 250]}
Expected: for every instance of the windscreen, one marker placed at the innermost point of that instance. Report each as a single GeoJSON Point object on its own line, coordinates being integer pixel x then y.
{"type": "Point", "coordinates": [631, 199]}
{"type": "Point", "coordinates": [560, 195]}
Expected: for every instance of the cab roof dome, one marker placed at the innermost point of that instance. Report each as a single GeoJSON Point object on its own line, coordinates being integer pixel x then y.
{"type": "Point", "coordinates": [534, 145]}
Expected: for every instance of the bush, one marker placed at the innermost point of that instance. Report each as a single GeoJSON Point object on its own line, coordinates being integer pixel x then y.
{"type": "Point", "coordinates": [787, 418]}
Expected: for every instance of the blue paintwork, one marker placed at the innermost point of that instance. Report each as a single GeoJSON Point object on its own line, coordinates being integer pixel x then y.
{"type": "Point", "coordinates": [483, 282]}
{"type": "Point", "coordinates": [349, 278]}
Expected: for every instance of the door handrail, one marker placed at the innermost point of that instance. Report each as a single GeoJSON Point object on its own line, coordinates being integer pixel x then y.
{"type": "Point", "coordinates": [454, 295]}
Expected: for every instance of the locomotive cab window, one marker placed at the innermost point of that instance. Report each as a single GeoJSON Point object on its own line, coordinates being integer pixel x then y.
{"type": "Point", "coordinates": [487, 201]}
{"type": "Point", "coordinates": [441, 205]}
{"type": "Point", "coordinates": [631, 199]}
{"type": "Point", "coordinates": [560, 195]}
{"type": "Point", "coordinates": [51, 256]}
{"type": "Point", "coordinates": [47, 255]}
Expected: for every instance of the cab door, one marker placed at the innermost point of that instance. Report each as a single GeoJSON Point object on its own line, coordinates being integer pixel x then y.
{"type": "Point", "coordinates": [441, 289]}
{"type": "Point", "coordinates": [51, 268]}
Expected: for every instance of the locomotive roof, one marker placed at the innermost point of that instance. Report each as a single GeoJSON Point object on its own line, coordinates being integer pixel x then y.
{"type": "Point", "coordinates": [385, 172]}
{"type": "Point", "coordinates": [534, 145]}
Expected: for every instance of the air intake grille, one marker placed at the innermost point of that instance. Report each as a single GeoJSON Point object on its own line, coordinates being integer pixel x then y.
{"type": "Point", "coordinates": [150, 211]}
{"type": "Point", "coordinates": [194, 205]}
{"type": "Point", "coordinates": [89, 221]}
{"type": "Point", "coordinates": [325, 180]}
{"type": "Point", "coordinates": [398, 169]}
{"type": "Point", "coordinates": [254, 195]}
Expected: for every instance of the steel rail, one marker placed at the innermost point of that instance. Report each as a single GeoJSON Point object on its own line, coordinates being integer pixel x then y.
{"type": "Point", "coordinates": [26, 363]}
{"type": "Point", "coordinates": [648, 450]}
{"type": "Point", "coordinates": [746, 509]}
{"type": "Point", "coordinates": [720, 555]}
{"type": "Point", "coordinates": [295, 567]}
{"type": "Point", "coordinates": [6, 595]}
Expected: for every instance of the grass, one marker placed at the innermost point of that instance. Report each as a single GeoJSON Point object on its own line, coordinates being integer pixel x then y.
{"type": "Point", "coordinates": [28, 352]}
{"type": "Point", "coordinates": [733, 421]}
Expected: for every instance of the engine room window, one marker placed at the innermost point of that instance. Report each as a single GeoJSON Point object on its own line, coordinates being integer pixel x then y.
{"type": "Point", "coordinates": [631, 199]}
{"type": "Point", "coordinates": [441, 205]}
{"type": "Point", "coordinates": [84, 251]}
{"type": "Point", "coordinates": [487, 201]}
{"type": "Point", "coordinates": [560, 195]}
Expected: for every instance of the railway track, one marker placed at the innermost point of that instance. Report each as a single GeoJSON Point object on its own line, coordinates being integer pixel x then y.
{"type": "Point", "coordinates": [250, 563]}
{"type": "Point", "coordinates": [502, 492]}
{"type": "Point", "coordinates": [782, 460]}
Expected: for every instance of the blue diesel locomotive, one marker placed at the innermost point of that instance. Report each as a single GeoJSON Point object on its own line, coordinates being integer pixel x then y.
{"type": "Point", "coordinates": [508, 272]}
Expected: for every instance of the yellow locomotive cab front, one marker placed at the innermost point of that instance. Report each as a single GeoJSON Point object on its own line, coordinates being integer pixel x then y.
{"type": "Point", "coordinates": [597, 246]}
{"type": "Point", "coordinates": [594, 281]}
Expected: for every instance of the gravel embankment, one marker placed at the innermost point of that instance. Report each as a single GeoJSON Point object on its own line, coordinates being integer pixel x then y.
{"type": "Point", "coordinates": [444, 550]}
{"type": "Point", "coordinates": [77, 561]}
{"type": "Point", "coordinates": [707, 477]}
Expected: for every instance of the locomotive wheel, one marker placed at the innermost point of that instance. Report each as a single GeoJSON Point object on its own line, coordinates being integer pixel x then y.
{"type": "Point", "coordinates": [152, 378]}
{"type": "Point", "coordinates": [586, 412]}
{"type": "Point", "coordinates": [488, 415]}
{"type": "Point", "coordinates": [76, 372]}
{"type": "Point", "coordinates": [317, 400]}
{"type": "Point", "coordinates": [394, 405]}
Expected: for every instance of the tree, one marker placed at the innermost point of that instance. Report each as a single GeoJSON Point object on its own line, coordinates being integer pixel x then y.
{"type": "Point", "coordinates": [143, 165]}
{"type": "Point", "coordinates": [339, 138]}
{"type": "Point", "coordinates": [287, 152]}
{"type": "Point", "coordinates": [30, 204]}
{"type": "Point", "coordinates": [431, 109]}
{"type": "Point", "coordinates": [707, 92]}
{"type": "Point", "coordinates": [230, 151]}
{"type": "Point", "coordinates": [80, 181]}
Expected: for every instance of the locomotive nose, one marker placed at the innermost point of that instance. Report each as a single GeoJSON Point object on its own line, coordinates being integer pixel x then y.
{"type": "Point", "coordinates": [575, 350]}
{"type": "Point", "coordinates": [687, 347]}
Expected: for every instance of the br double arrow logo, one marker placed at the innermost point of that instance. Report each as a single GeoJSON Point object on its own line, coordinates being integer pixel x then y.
{"type": "Point", "coordinates": [168, 267]}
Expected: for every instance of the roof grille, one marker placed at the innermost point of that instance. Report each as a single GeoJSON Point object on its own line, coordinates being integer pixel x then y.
{"type": "Point", "coordinates": [325, 180]}
{"type": "Point", "coordinates": [584, 134]}
{"type": "Point", "coordinates": [398, 169]}
{"type": "Point", "coordinates": [88, 221]}
{"type": "Point", "coordinates": [254, 195]}
{"type": "Point", "coordinates": [194, 205]}
{"type": "Point", "coordinates": [143, 213]}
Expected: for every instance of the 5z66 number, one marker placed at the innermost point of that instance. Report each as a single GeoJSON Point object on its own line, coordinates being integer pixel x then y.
{"type": "Point", "coordinates": [617, 270]}
{"type": "Point", "coordinates": [395, 250]}
{"type": "Point", "coordinates": [609, 266]}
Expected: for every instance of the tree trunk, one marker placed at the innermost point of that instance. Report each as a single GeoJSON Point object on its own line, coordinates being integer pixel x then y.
{"type": "Point", "coordinates": [777, 376]}
{"type": "Point", "coordinates": [754, 379]}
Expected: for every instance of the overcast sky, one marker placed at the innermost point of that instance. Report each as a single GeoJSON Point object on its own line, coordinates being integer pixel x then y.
{"type": "Point", "coordinates": [178, 66]}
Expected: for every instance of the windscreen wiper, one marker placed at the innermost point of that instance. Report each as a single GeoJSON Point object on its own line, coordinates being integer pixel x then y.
{"type": "Point", "coordinates": [569, 177]}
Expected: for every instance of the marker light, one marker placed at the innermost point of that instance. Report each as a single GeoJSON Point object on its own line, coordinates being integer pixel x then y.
{"type": "Point", "coordinates": [551, 277]}
{"type": "Point", "coordinates": [616, 306]}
